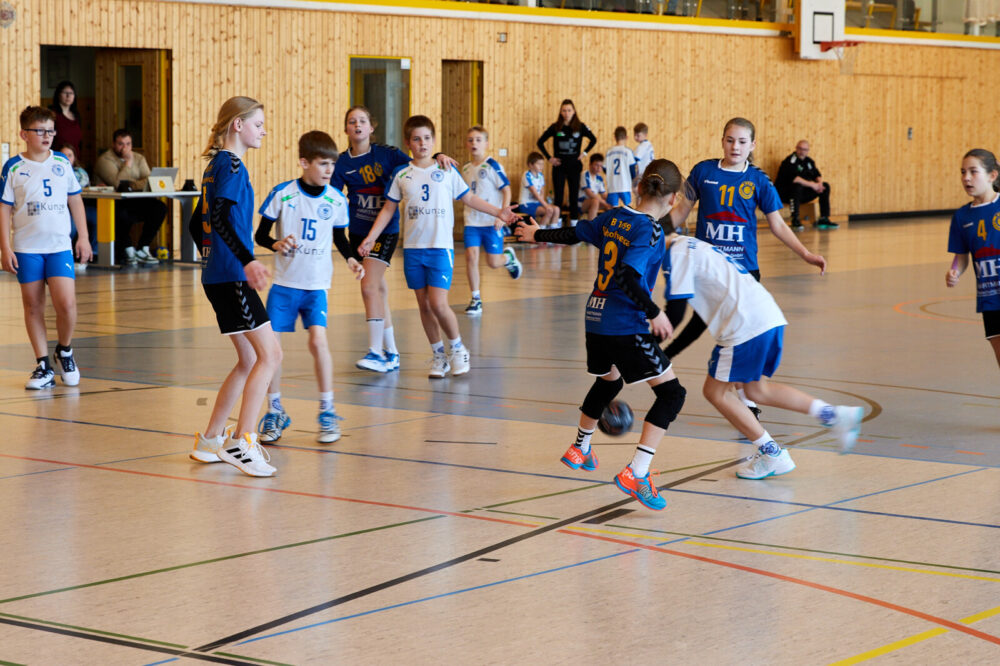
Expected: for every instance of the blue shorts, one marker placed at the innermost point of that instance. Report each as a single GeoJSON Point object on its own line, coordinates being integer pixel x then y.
{"type": "Point", "coordinates": [33, 267]}
{"type": "Point", "coordinates": [428, 267]}
{"type": "Point", "coordinates": [285, 304]}
{"type": "Point", "coordinates": [624, 198]}
{"type": "Point", "coordinates": [488, 237]}
{"type": "Point", "coordinates": [749, 361]}
{"type": "Point", "coordinates": [528, 208]}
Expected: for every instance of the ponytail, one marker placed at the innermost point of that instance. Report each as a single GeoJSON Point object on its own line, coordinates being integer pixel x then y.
{"type": "Point", "coordinates": [232, 108]}
{"type": "Point", "coordinates": [660, 179]}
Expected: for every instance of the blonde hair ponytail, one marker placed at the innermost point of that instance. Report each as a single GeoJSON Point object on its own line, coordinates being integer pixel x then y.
{"type": "Point", "coordinates": [232, 108]}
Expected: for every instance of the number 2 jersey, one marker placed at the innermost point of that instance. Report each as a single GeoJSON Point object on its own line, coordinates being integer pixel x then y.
{"type": "Point", "coordinates": [735, 307]}
{"type": "Point", "coordinates": [976, 230]}
{"type": "Point", "coordinates": [727, 207]}
{"type": "Point", "coordinates": [37, 192]}
{"type": "Point", "coordinates": [311, 219]}
{"type": "Point", "coordinates": [485, 181]}
{"type": "Point", "coordinates": [366, 177]}
{"type": "Point", "coordinates": [624, 236]}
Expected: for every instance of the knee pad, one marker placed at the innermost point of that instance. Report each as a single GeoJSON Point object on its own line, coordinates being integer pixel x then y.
{"type": "Point", "coordinates": [599, 395]}
{"type": "Point", "coordinates": [669, 400]}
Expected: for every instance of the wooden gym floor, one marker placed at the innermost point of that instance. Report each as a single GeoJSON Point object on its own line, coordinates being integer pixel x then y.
{"type": "Point", "coordinates": [443, 529]}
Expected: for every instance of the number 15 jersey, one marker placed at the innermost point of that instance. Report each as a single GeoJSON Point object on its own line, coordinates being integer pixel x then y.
{"type": "Point", "coordinates": [624, 236]}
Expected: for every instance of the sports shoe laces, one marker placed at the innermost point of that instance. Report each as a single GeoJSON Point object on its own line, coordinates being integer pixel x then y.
{"type": "Point", "coordinates": [39, 372]}
{"type": "Point", "coordinates": [68, 364]}
{"type": "Point", "coordinates": [269, 422]}
{"type": "Point", "coordinates": [329, 419]}
{"type": "Point", "coordinates": [646, 489]}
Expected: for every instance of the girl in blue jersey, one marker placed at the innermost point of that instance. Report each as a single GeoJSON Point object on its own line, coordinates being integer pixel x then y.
{"type": "Point", "coordinates": [975, 231]}
{"type": "Point", "coordinates": [231, 277]}
{"type": "Point", "coordinates": [619, 317]}
{"type": "Point", "coordinates": [729, 192]}
{"type": "Point", "coordinates": [364, 169]}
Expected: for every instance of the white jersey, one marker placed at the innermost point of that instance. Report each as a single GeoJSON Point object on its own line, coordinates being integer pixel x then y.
{"type": "Point", "coordinates": [428, 216]}
{"type": "Point", "coordinates": [37, 192]}
{"type": "Point", "coordinates": [589, 181]}
{"type": "Point", "coordinates": [643, 155]}
{"type": "Point", "coordinates": [735, 307]}
{"type": "Point", "coordinates": [528, 180]}
{"type": "Point", "coordinates": [485, 181]}
{"type": "Point", "coordinates": [311, 220]}
{"type": "Point", "coordinates": [618, 162]}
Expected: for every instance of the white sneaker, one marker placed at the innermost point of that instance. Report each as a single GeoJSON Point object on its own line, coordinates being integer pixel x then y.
{"type": "Point", "coordinates": [247, 455]}
{"type": "Point", "coordinates": [847, 426]}
{"type": "Point", "coordinates": [40, 378]}
{"type": "Point", "coordinates": [459, 361]}
{"type": "Point", "coordinates": [762, 465]}
{"type": "Point", "coordinates": [206, 449]}
{"type": "Point", "coordinates": [439, 365]}
{"type": "Point", "coordinates": [130, 258]}
{"type": "Point", "coordinates": [329, 428]}
{"type": "Point", "coordinates": [512, 264]}
{"type": "Point", "coordinates": [68, 370]}
{"type": "Point", "coordinates": [372, 361]}
{"type": "Point", "coordinates": [145, 258]}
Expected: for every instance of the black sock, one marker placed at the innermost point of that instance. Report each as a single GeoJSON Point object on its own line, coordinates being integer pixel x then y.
{"type": "Point", "coordinates": [60, 348]}
{"type": "Point", "coordinates": [43, 362]}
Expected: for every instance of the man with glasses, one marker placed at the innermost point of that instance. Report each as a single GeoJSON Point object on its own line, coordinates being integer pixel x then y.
{"type": "Point", "coordinates": [799, 182]}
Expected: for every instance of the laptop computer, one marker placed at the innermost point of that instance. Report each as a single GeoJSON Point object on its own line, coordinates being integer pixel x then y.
{"type": "Point", "coordinates": [161, 179]}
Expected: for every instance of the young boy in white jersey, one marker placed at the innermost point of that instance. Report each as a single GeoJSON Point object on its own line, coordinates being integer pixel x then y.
{"type": "Point", "coordinates": [311, 217]}
{"type": "Point", "coordinates": [531, 200]}
{"type": "Point", "coordinates": [644, 150]}
{"type": "Point", "coordinates": [487, 180]}
{"type": "Point", "coordinates": [619, 165]}
{"type": "Point", "coordinates": [748, 328]}
{"type": "Point", "coordinates": [593, 193]}
{"type": "Point", "coordinates": [39, 194]}
{"type": "Point", "coordinates": [428, 247]}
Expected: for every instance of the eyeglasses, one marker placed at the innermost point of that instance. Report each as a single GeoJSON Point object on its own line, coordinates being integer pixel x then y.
{"type": "Point", "coordinates": [41, 132]}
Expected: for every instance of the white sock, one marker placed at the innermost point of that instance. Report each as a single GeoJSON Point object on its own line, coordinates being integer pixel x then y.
{"type": "Point", "coordinates": [821, 411]}
{"type": "Point", "coordinates": [437, 347]}
{"type": "Point", "coordinates": [583, 440]}
{"type": "Point", "coordinates": [274, 403]}
{"type": "Point", "coordinates": [375, 335]}
{"type": "Point", "coordinates": [640, 461]}
{"type": "Point", "coordinates": [389, 340]}
{"type": "Point", "coordinates": [743, 397]}
{"type": "Point", "coordinates": [456, 343]}
{"type": "Point", "coordinates": [475, 295]}
{"type": "Point", "coordinates": [766, 444]}
{"type": "Point", "coordinates": [326, 401]}
{"type": "Point", "coordinates": [145, 248]}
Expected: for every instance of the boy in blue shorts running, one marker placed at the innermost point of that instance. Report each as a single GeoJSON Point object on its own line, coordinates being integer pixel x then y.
{"type": "Point", "coordinates": [310, 217]}
{"type": "Point", "coordinates": [39, 199]}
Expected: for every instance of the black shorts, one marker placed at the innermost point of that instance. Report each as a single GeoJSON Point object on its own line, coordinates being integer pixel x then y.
{"type": "Point", "coordinates": [385, 246]}
{"type": "Point", "coordinates": [991, 322]}
{"type": "Point", "coordinates": [636, 356]}
{"type": "Point", "coordinates": [238, 308]}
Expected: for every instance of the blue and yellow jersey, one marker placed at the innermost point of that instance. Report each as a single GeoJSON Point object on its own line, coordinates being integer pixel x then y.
{"type": "Point", "coordinates": [727, 207]}
{"type": "Point", "coordinates": [226, 178]}
{"type": "Point", "coordinates": [366, 177]}
{"type": "Point", "coordinates": [976, 230]}
{"type": "Point", "coordinates": [624, 236]}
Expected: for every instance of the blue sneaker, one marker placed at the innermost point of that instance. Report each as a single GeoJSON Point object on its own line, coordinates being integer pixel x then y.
{"type": "Point", "coordinates": [374, 362]}
{"type": "Point", "coordinates": [329, 428]}
{"type": "Point", "coordinates": [640, 488]}
{"type": "Point", "coordinates": [574, 458]}
{"type": "Point", "coordinates": [272, 426]}
{"type": "Point", "coordinates": [391, 360]}
{"type": "Point", "coordinates": [513, 265]}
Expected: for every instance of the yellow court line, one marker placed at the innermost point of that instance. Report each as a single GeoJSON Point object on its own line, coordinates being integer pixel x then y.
{"type": "Point", "coordinates": [848, 562]}
{"type": "Point", "coordinates": [912, 640]}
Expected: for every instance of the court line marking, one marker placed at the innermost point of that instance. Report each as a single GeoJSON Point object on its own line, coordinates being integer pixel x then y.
{"type": "Point", "coordinates": [912, 640]}
{"type": "Point", "coordinates": [100, 632]}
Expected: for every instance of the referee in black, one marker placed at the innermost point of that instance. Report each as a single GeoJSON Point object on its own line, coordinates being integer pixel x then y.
{"type": "Point", "coordinates": [567, 134]}
{"type": "Point", "coordinates": [799, 182]}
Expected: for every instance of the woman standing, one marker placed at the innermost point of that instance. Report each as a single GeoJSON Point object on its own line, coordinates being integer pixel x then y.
{"type": "Point", "coordinates": [567, 134]}
{"type": "Point", "coordinates": [68, 127]}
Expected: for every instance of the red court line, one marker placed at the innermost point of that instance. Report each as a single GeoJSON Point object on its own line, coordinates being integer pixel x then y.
{"type": "Point", "coordinates": [798, 581]}
{"type": "Point", "coordinates": [970, 453]}
{"type": "Point", "coordinates": [280, 491]}
{"type": "Point", "coordinates": [898, 307]}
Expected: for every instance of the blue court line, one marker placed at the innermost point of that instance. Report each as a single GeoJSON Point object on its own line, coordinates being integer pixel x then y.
{"type": "Point", "coordinates": [44, 471]}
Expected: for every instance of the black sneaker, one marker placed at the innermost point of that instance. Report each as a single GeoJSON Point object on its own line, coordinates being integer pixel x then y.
{"type": "Point", "coordinates": [755, 411]}
{"type": "Point", "coordinates": [825, 223]}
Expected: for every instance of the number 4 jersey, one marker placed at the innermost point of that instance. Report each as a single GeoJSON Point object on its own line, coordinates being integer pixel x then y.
{"type": "Point", "coordinates": [311, 221]}
{"type": "Point", "coordinates": [625, 237]}
{"type": "Point", "coordinates": [976, 230]}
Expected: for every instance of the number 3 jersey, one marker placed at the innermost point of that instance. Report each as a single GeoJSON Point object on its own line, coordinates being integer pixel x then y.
{"type": "Point", "coordinates": [37, 192]}
{"type": "Point", "coordinates": [625, 237]}
{"type": "Point", "coordinates": [727, 207]}
{"type": "Point", "coordinates": [311, 221]}
{"type": "Point", "coordinates": [976, 230]}
{"type": "Point", "coordinates": [735, 307]}
{"type": "Point", "coordinates": [425, 196]}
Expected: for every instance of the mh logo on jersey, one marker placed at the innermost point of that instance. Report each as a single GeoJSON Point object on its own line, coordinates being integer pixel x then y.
{"type": "Point", "coordinates": [746, 189]}
{"type": "Point", "coordinates": [986, 268]}
{"type": "Point", "coordinates": [596, 303]}
{"type": "Point", "coordinates": [324, 212]}
{"type": "Point", "coordinates": [727, 233]}
{"type": "Point", "coordinates": [370, 201]}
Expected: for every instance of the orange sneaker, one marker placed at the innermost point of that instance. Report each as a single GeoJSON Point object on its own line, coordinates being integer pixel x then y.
{"type": "Point", "coordinates": [574, 458]}
{"type": "Point", "coordinates": [640, 488]}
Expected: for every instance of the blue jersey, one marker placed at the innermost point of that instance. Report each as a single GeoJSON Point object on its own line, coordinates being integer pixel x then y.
{"type": "Point", "coordinates": [624, 236]}
{"type": "Point", "coordinates": [727, 207]}
{"type": "Point", "coordinates": [366, 177]}
{"type": "Point", "coordinates": [226, 178]}
{"type": "Point", "coordinates": [976, 230]}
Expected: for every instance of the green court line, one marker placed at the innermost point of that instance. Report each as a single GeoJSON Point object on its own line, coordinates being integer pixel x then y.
{"type": "Point", "coordinates": [10, 663]}
{"type": "Point", "coordinates": [88, 630]}
{"type": "Point", "coordinates": [217, 559]}
{"type": "Point", "coordinates": [806, 550]}
{"type": "Point", "coordinates": [522, 515]}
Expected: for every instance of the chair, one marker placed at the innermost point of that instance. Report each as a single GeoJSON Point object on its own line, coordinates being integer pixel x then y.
{"type": "Point", "coordinates": [869, 7]}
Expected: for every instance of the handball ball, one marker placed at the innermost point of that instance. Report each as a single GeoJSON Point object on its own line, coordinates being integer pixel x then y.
{"type": "Point", "coordinates": [616, 420]}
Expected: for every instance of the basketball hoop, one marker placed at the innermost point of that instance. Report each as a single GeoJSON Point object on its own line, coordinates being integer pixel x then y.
{"type": "Point", "coordinates": [844, 53]}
